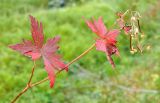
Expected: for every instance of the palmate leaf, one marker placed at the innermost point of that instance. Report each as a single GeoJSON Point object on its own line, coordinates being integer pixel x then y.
{"type": "Point", "coordinates": [107, 38]}
{"type": "Point", "coordinates": [37, 49]}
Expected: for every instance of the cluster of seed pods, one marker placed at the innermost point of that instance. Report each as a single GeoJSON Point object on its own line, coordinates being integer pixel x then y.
{"type": "Point", "coordinates": [132, 29]}
{"type": "Point", "coordinates": [136, 33]}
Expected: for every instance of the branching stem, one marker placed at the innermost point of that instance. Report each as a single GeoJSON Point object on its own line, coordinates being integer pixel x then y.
{"type": "Point", "coordinates": [30, 85]}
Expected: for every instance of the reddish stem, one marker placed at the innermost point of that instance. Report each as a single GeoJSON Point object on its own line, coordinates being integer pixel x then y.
{"type": "Point", "coordinates": [74, 60]}
{"type": "Point", "coordinates": [23, 91]}
{"type": "Point", "coordinates": [29, 85]}
{"type": "Point", "coordinates": [32, 73]}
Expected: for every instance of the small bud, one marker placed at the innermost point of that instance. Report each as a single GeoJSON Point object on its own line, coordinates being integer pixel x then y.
{"type": "Point", "coordinates": [131, 30]}
{"type": "Point", "coordinates": [148, 47]}
{"type": "Point", "coordinates": [132, 35]}
{"type": "Point", "coordinates": [136, 30]}
{"type": "Point", "coordinates": [131, 51]}
{"type": "Point", "coordinates": [135, 50]}
{"type": "Point", "coordinates": [142, 35]}
{"type": "Point", "coordinates": [133, 18]}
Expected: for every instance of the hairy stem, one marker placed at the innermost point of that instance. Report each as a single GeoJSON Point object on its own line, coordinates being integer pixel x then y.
{"type": "Point", "coordinates": [32, 73]}
{"type": "Point", "coordinates": [30, 85]}
{"type": "Point", "coordinates": [81, 55]}
{"type": "Point", "coordinates": [71, 62]}
{"type": "Point", "coordinates": [23, 91]}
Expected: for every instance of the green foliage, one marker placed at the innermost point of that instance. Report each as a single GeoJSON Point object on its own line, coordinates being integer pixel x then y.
{"type": "Point", "coordinates": [90, 80]}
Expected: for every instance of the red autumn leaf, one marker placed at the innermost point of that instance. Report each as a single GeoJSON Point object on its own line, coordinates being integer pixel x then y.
{"type": "Point", "coordinates": [107, 39]}
{"type": "Point", "coordinates": [97, 27]}
{"type": "Point", "coordinates": [36, 49]}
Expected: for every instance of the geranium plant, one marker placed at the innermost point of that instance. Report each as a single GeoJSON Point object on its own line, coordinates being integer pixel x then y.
{"type": "Point", "coordinates": [37, 49]}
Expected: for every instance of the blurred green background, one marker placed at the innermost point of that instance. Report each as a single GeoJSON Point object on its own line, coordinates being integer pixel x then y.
{"type": "Point", "coordinates": [136, 78]}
